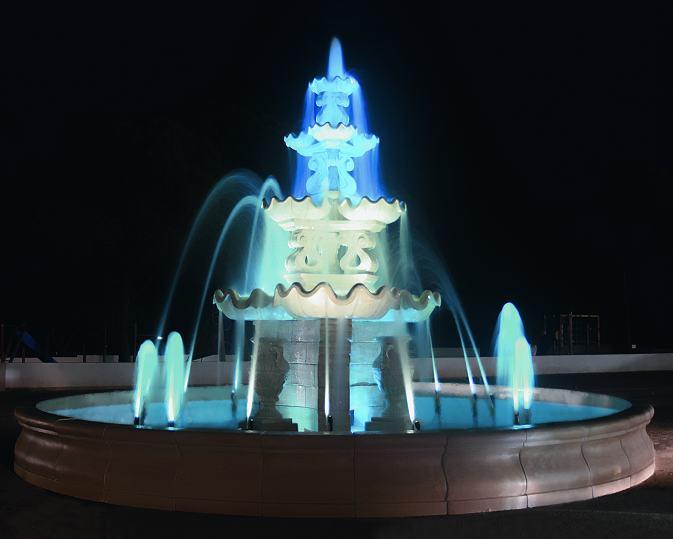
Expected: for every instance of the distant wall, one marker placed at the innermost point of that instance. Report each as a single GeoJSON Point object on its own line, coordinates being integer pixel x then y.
{"type": "Point", "coordinates": [67, 373]}
{"type": "Point", "coordinates": [453, 367]}
{"type": "Point", "coordinates": [73, 359]}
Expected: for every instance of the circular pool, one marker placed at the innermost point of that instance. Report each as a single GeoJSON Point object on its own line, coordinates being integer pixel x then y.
{"type": "Point", "coordinates": [467, 457]}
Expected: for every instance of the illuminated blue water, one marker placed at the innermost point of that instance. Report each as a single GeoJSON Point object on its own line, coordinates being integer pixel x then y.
{"type": "Point", "coordinates": [367, 168]}
{"type": "Point", "coordinates": [215, 207]}
{"type": "Point", "coordinates": [335, 63]}
{"type": "Point", "coordinates": [301, 171]}
{"type": "Point", "coordinates": [514, 359]}
{"type": "Point", "coordinates": [147, 366]}
{"type": "Point", "coordinates": [217, 413]}
{"type": "Point", "coordinates": [175, 376]}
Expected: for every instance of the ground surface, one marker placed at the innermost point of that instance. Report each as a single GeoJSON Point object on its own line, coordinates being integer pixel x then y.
{"type": "Point", "coordinates": [645, 511]}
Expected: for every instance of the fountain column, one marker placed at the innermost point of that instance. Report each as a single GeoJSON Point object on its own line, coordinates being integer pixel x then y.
{"type": "Point", "coordinates": [333, 375]}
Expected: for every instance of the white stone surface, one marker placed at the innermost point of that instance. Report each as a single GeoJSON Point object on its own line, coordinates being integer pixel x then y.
{"type": "Point", "coordinates": [107, 375]}
{"type": "Point", "coordinates": [322, 301]}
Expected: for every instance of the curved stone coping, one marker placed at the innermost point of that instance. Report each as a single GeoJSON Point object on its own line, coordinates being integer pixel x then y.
{"type": "Point", "coordinates": [335, 475]}
{"type": "Point", "coordinates": [287, 209]}
{"type": "Point", "coordinates": [294, 302]}
{"type": "Point", "coordinates": [365, 209]}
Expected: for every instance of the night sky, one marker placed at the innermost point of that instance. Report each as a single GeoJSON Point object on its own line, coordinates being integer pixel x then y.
{"type": "Point", "coordinates": [534, 150]}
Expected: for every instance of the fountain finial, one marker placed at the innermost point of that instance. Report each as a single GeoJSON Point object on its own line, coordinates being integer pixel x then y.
{"type": "Point", "coordinates": [332, 143]}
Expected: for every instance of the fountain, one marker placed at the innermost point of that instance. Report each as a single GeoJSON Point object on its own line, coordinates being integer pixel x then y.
{"type": "Point", "coordinates": [147, 364]}
{"type": "Point", "coordinates": [514, 361]}
{"type": "Point", "coordinates": [342, 412]}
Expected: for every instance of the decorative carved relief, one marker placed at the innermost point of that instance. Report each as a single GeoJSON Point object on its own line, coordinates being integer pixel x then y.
{"type": "Point", "coordinates": [333, 240]}
{"type": "Point", "coordinates": [390, 380]}
{"type": "Point", "coordinates": [271, 373]}
{"type": "Point", "coordinates": [315, 251]}
{"type": "Point", "coordinates": [357, 259]}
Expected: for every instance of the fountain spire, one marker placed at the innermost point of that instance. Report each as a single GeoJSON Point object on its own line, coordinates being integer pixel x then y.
{"type": "Point", "coordinates": [332, 142]}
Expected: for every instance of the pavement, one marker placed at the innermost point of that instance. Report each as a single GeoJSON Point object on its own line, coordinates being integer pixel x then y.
{"type": "Point", "coordinates": [644, 511]}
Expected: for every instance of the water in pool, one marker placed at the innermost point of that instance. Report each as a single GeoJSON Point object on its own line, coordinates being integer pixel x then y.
{"type": "Point", "coordinates": [211, 408]}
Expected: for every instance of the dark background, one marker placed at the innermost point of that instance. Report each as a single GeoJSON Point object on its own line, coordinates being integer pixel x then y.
{"type": "Point", "coordinates": [533, 147]}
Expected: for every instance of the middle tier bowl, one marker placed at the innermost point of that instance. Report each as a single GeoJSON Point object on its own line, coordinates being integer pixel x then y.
{"type": "Point", "coordinates": [293, 303]}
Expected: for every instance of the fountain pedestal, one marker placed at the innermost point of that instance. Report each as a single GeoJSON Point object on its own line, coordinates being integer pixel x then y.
{"type": "Point", "coordinates": [271, 372]}
{"type": "Point", "coordinates": [389, 376]}
{"type": "Point", "coordinates": [303, 367]}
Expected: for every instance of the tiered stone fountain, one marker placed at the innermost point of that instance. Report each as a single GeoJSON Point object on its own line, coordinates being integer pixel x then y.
{"type": "Point", "coordinates": [335, 422]}
{"type": "Point", "coordinates": [338, 306]}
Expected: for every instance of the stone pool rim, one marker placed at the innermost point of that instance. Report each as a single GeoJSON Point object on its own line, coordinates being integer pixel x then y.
{"type": "Point", "coordinates": [337, 475]}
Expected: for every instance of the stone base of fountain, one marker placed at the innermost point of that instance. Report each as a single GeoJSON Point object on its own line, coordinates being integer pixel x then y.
{"type": "Point", "coordinates": [339, 474]}
{"type": "Point", "coordinates": [388, 424]}
{"type": "Point", "coordinates": [388, 373]}
{"type": "Point", "coordinates": [272, 369]}
{"type": "Point", "coordinates": [272, 424]}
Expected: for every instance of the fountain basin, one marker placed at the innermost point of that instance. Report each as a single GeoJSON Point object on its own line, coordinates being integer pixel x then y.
{"type": "Point", "coordinates": [339, 475]}
{"type": "Point", "coordinates": [294, 303]}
